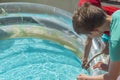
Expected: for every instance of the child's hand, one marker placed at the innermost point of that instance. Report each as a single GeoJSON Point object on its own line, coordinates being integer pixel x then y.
{"type": "Point", "coordinates": [101, 66]}
{"type": "Point", "coordinates": [82, 77]}
{"type": "Point", "coordinates": [84, 62]}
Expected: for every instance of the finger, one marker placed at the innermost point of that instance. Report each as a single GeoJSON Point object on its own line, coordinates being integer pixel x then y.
{"type": "Point", "coordinates": [98, 64]}
{"type": "Point", "coordinates": [95, 66]}
{"type": "Point", "coordinates": [83, 66]}
{"type": "Point", "coordinates": [100, 69]}
{"type": "Point", "coordinates": [79, 77]}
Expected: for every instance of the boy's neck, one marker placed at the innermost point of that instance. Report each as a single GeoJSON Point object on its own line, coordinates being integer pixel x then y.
{"type": "Point", "coordinates": [108, 21]}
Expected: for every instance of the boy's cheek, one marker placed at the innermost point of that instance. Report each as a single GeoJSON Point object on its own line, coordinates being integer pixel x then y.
{"type": "Point", "coordinates": [93, 35]}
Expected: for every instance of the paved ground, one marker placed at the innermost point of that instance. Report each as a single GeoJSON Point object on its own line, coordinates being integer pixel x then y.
{"type": "Point", "coordinates": [110, 4]}
{"type": "Point", "coordinates": [68, 5]}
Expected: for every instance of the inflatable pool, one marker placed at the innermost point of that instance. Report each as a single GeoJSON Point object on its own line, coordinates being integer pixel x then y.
{"type": "Point", "coordinates": [38, 43]}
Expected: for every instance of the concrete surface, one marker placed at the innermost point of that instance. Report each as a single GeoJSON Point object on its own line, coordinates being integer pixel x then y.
{"type": "Point", "coordinates": [68, 5]}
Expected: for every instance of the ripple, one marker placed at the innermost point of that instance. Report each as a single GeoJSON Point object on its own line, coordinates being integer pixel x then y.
{"type": "Point", "coordinates": [37, 59]}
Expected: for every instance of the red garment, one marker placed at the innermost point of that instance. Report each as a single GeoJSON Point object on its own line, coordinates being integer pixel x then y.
{"type": "Point", "coordinates": [107, 33]}
{"type": "Point", "coordinates": [108, 9]}
{"type": "Point", "coordinates": [94, 2]}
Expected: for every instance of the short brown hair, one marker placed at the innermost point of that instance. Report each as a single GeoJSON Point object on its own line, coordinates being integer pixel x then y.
{"type": "Point", "coordinates": [87, 17]}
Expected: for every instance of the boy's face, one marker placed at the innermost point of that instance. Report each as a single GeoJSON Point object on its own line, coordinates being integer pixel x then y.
{"type": "Point", "coordinates": [96, 32]}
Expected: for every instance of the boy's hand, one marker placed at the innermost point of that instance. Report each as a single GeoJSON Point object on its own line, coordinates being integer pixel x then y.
{"type": "Point", "coordinates": [101, 66]}
{"type": "Point", "coordinates": [82, 77]}
{"type": "Point", "coordinates": [84, 62]}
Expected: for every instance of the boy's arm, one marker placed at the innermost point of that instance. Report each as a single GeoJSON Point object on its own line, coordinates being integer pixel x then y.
{"type": "Point", "coordinates": [105, 39]}
{"type": "Point", "coordinates": [106, 49]}
{"type": "Point", "coordinates": [87, 47]}
{"type": "Point", "coordinates": [113, 71]}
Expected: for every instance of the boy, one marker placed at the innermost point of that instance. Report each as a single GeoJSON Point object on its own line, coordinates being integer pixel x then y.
{"type": "Point", "coordinates": [93, 21]}
{"type": "Point", "coordinates": [105, 37]}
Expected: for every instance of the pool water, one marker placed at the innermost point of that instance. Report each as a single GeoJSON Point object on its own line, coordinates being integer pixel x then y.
{"type": "Point", "coordinates": [37, 59]}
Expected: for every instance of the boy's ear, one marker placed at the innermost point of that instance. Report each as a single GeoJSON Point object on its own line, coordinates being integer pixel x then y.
{"type": "Point", "coordinates": [94, 31]}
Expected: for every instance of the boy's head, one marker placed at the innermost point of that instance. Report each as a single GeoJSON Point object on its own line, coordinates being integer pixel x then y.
{"type": "Point", "coordinates": [87, 18]}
